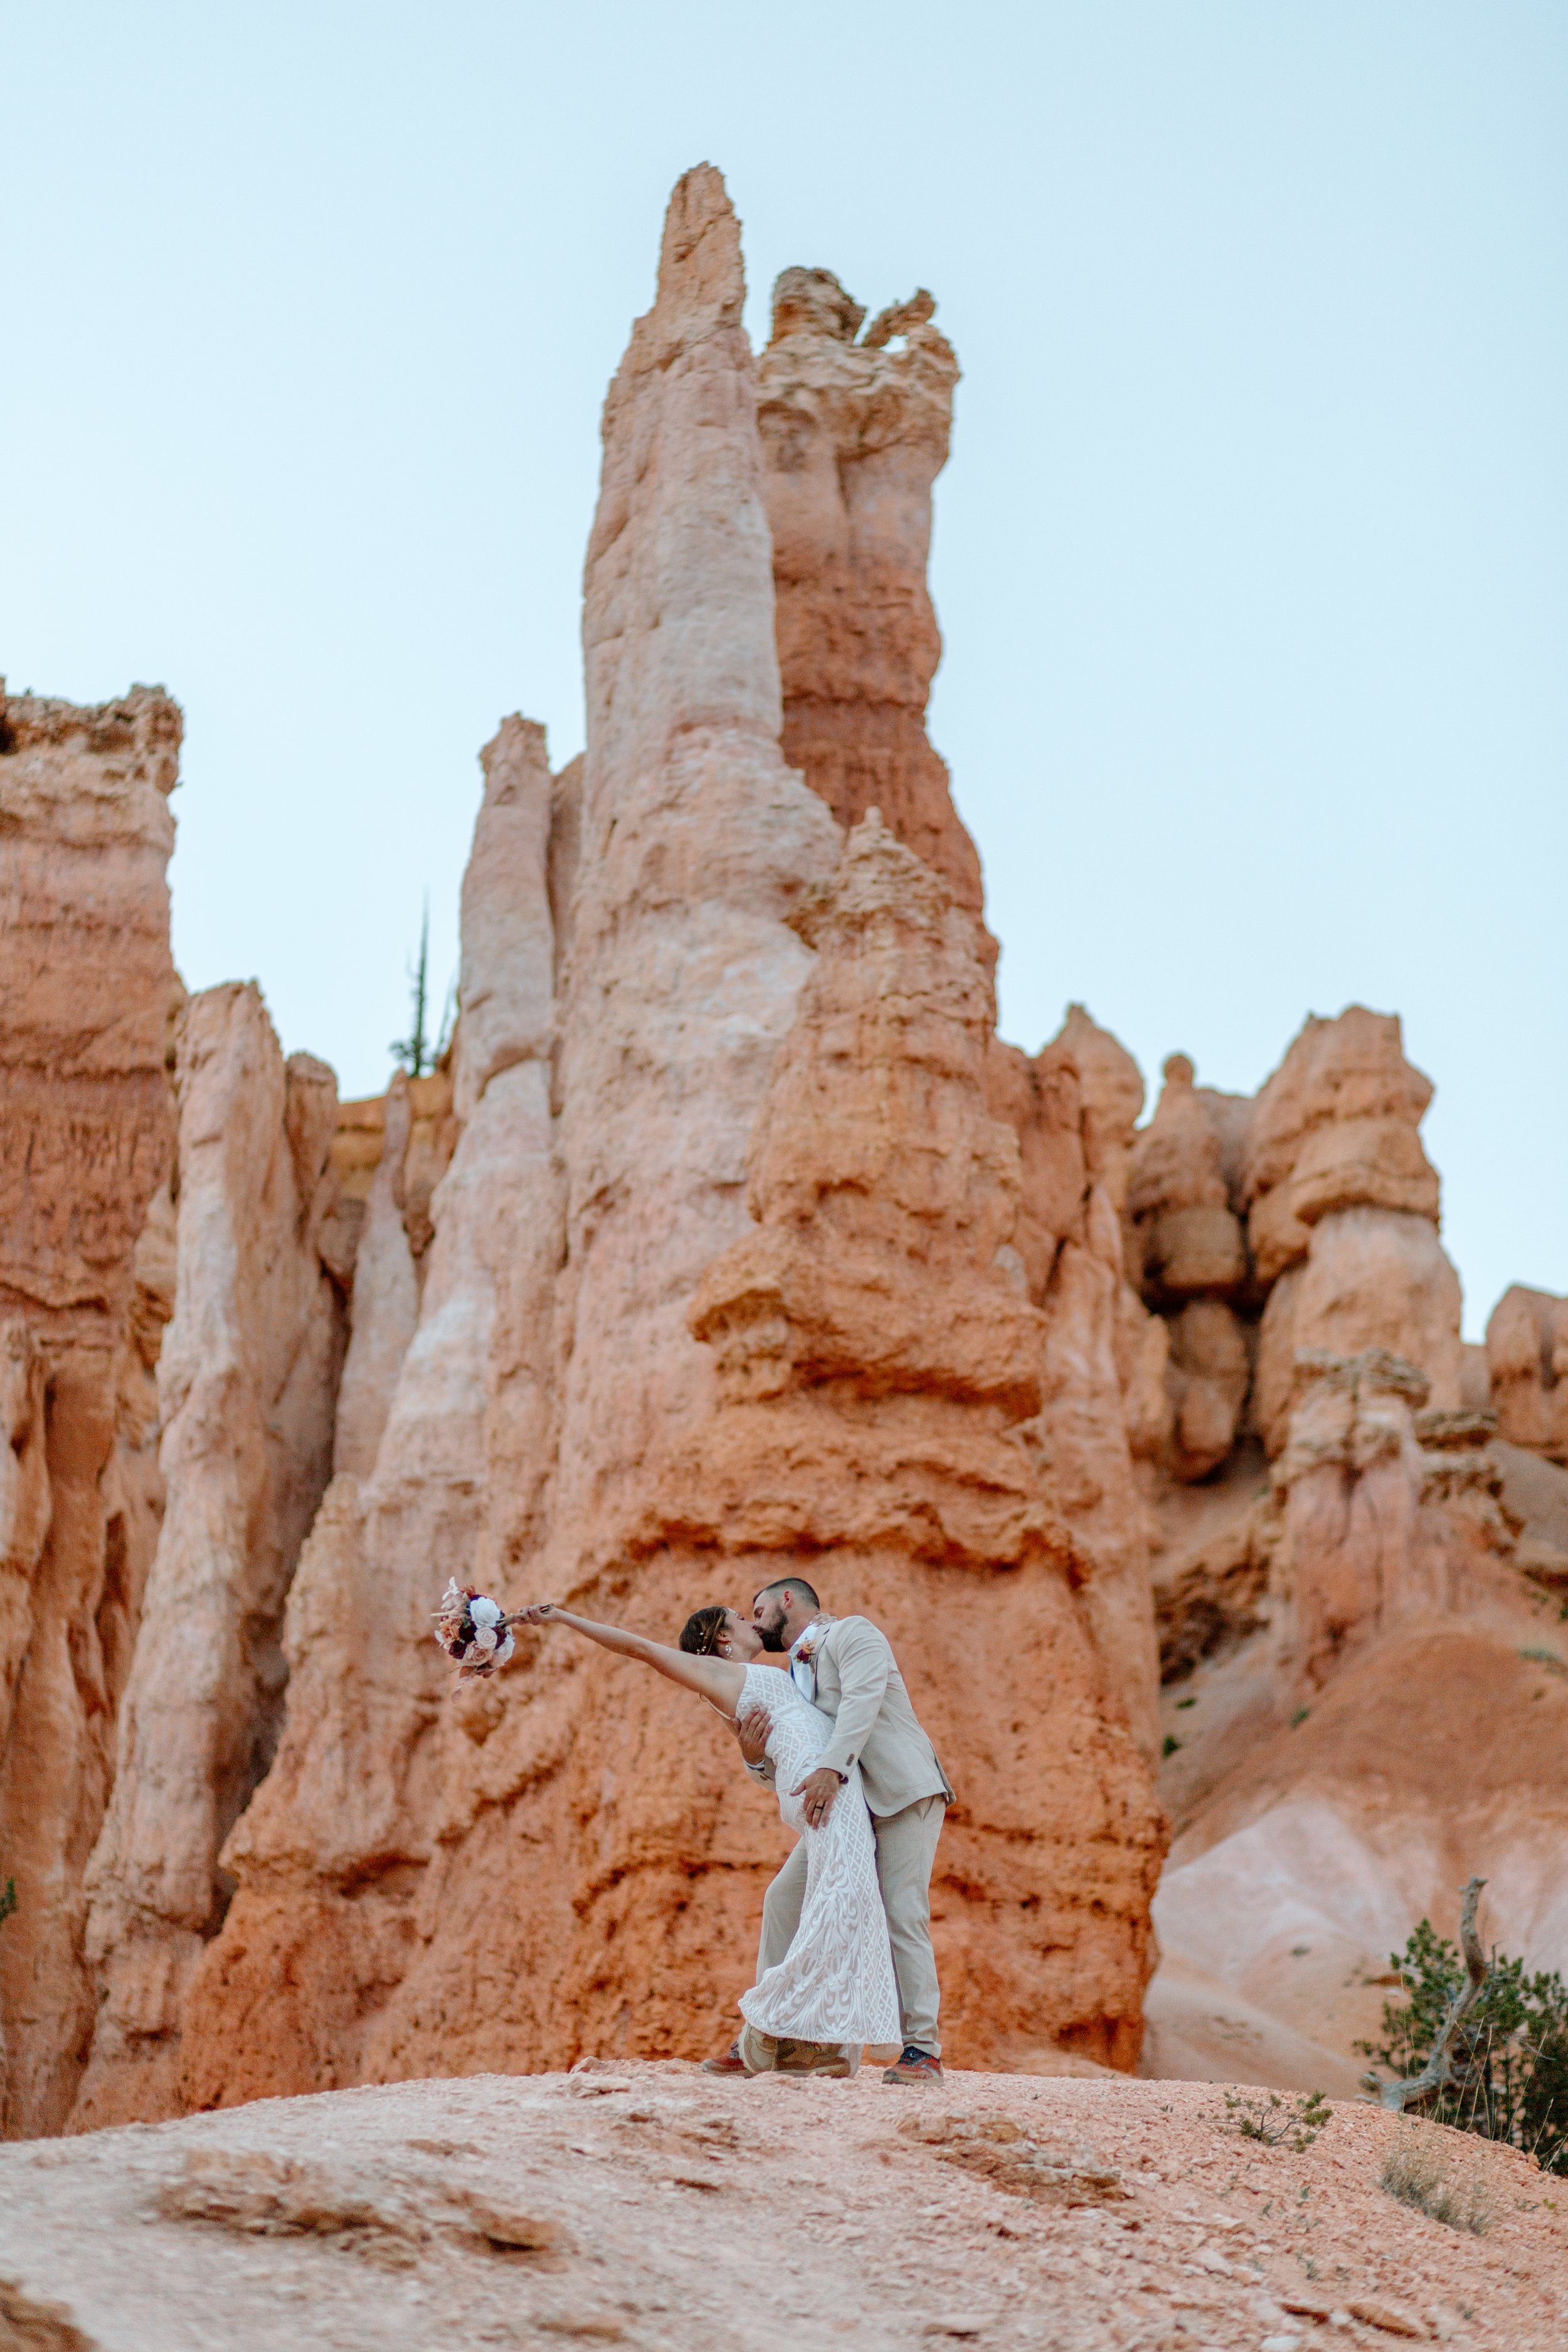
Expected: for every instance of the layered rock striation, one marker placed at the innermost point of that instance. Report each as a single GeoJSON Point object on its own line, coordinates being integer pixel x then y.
{"type": "Point", "coordinates": [1306, 1218]}
{"type": "Point", "coordinates": [855, 429]}
{"type": "Point", "coordinates": [725, 1277]}
{"type": "Point", "coordinates": [87, 993]}
{"type": "Point", "coordinates": [1527, 1366]}
{"type": "Point", "coordinates": [248, 1382]}
{"type": "Point", "coordinates": [728, 1241]}
{"type": "Point", "coordinates": [883, 1378]}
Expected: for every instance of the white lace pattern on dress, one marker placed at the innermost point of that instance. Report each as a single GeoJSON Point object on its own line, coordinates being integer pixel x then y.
{"type": "Point", "coordinates": [836, 1982]}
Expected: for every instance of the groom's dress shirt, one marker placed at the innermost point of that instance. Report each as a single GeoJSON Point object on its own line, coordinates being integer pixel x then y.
{"type": "Point", "coordinates": [859, 1686]}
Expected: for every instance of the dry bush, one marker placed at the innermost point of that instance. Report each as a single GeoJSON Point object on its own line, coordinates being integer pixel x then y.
{"type": "Point", "coordinates": [1265, 2115]}
{"type": "Point", "coordinates": [1415, 2170]}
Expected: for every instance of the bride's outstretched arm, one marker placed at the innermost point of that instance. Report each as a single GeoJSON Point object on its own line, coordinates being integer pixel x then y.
{"type": "Point", "coordinates": [719, 1679]}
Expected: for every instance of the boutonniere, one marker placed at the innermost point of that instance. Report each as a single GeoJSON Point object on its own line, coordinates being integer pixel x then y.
{"type": "Point", "coordinates": [806, 1648]}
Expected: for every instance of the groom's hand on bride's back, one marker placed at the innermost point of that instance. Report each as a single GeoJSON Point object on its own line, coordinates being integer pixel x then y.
{"type": "Point", "coordinates": [752, 1732]}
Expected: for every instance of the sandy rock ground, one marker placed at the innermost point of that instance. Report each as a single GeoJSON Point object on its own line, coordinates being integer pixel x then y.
{"type": "Point", "coordinates": [652, 2205]}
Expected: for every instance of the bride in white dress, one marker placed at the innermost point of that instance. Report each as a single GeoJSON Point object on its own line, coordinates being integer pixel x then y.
{"type": "Point", "coordinates": [835, 1984]}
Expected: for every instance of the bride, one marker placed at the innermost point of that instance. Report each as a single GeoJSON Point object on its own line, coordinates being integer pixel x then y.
{"type": "Point", "coordinates": [835, 1984]}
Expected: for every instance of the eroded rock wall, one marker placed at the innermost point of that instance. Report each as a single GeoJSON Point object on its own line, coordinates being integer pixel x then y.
{"type": "Point", "coordinates": [1102, 1414]}
{"type": "Point", "coordinates": [1527, 1363]}
{"type": "Point", "coordinates": [882, 1368]}
{"type": "Point", "coordinates": [1386, 1719]}
{"type": "Point", "coordinates": [86, 992]}
{"type": "Point", "coordinates": [248, 1383]}
{"type": "Point", "coordinates": [855, 429]}
{"type": "Point", "coordinates": [551, 1341]}
{"type": "Point", "coordinates": [697, 1057]}
{"type": "Point", "coordinates": [1304, 1219]}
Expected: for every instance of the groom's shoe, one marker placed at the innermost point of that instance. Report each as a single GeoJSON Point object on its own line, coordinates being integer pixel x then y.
{"type": "Point", "coordinates": [731, 2063]}
{"type": "Point", "coordinates": [915, 2067]}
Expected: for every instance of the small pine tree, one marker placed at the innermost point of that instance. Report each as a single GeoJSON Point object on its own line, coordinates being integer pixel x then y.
{"type": "Point", "coordinates": [1511, 2057]}
{"type": "Point", "coordinates": [413, 1053]}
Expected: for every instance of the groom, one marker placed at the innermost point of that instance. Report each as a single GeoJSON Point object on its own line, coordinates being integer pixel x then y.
{"type": "Point", "coordinates": [847, 1669]}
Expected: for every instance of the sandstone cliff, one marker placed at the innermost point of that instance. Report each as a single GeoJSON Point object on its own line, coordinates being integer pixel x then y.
{"type": "Point", "coordinates": [728, 1240]}
{"type": "Point", "coordinates": [247, 1380]}
{"type": "Point", "coordinates": [86, 992]}
{"type": "Point", "coordinates": [1527, 1363]}
{"type": "Point", "coordinates": [1305, 1219]}
{"type": "Point", "coordinates": [1384, 1713]}
{"type": "Point", "coordinates": [882, 1373]}
{"type": "Point", "coordinates": [593, 1393]}
{"type": "Point", "coordinates": [1395, 1569]}
{"type": "Point", "coordinates": [1102, 1413]}
{"type": "Point", "coordinates": [854, 433]}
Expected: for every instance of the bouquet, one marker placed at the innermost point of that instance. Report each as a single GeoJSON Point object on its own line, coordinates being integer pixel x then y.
{"type": "Point", "coordinates": [473, 1629]}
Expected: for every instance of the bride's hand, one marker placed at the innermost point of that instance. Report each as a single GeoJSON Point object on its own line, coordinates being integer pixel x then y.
{"type": "Point", "coordinates": [537, 1611]}
{"type": "Point", "coordinates": [751, 1731]}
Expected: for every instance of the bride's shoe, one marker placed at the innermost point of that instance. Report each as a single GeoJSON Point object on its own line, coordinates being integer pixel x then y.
{"type": "Point", "coordinates": [813, 2058]}
{"type": "Point", "coordinates": [758, 2052]}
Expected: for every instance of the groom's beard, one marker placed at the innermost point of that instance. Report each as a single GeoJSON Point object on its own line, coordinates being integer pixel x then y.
{"type": "Point", "coordinates": [773, 1638]}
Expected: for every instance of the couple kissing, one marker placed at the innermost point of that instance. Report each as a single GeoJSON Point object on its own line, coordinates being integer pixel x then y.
{"type": "Point", "coordinates": [844, 1956]}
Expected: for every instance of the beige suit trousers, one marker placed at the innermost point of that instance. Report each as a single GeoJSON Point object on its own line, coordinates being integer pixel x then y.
{"type": "Point", "coordinates": [906, 1849]}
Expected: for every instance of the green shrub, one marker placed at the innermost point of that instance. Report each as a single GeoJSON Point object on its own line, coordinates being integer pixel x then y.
{"type": "Point", "coordinates": [1510, 2056]}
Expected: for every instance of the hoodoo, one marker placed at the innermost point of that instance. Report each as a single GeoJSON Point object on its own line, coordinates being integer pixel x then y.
{"type": "Point", "coordinates": [727, 1243]}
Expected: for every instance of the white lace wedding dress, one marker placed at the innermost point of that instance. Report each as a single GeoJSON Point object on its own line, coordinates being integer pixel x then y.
{"type": "Point", "coordinates": [836, 1982]}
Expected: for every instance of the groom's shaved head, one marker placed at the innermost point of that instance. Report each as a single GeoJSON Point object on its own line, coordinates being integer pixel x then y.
{"type": "Point", "coordinates": [795, 1584]}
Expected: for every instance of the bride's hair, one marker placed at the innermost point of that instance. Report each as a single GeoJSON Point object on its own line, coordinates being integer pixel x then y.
{"type": "Point", "coordinates": [703, 1631]}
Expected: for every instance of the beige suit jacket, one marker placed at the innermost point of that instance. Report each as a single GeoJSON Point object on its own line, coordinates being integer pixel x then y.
{"type": "Point", "coordinates": [859, 1686]}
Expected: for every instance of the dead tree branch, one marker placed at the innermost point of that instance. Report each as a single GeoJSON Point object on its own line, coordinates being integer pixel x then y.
{"type": "Point", "coordinates": [1437, 2074]}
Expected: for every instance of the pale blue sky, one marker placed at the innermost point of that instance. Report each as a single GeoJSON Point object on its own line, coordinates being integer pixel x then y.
{"type": "Point", "coordinates": [1250, 557]}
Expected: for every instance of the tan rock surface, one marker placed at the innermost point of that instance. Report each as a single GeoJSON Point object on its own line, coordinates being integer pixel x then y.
{"type": "Point", "coordinates": [697, 843]}
{"type": "Point", "coordinates": [506, 982]}
{"type": "Point", "coordinates": [247, 1380]}
{"type": "Point", "coordinates": [1326, 1839]}
{"type": "Point", "coordinates": [570, 1857]}
{"type": "Point", "coordinates": [1074, 1107]}
{"type": "Point", "coordinates": [1365, 1705]}
{"type": "Point", "coordinates": [727, 1238]}
{"type": "Point", "coordinates": [86, 1140]}
{"type": "Point", "coordinates": [1209, 1374]}
{"type": "Point", "coordinates": [1191, 1242]}
{"type": "Point", "coordinates": [854, 435]}
{"type": "Point", "coordinates": [569, 1356]}
{"type": "Point", "coordinates": [628, 2206]}
{"type": "Point", "coordinates": [385, 1307]}
{"type": "Point", "coordinates": [1187, 1249]}
{"type": "Point", "coordinates": [1336, 1128]}
{"type": "Point", "coordinates": [1343, 1205]}
{"type": "Point", "coordinates": [1527, 1357]}
{"type": "Point", "coordinates": [877, 1356]}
